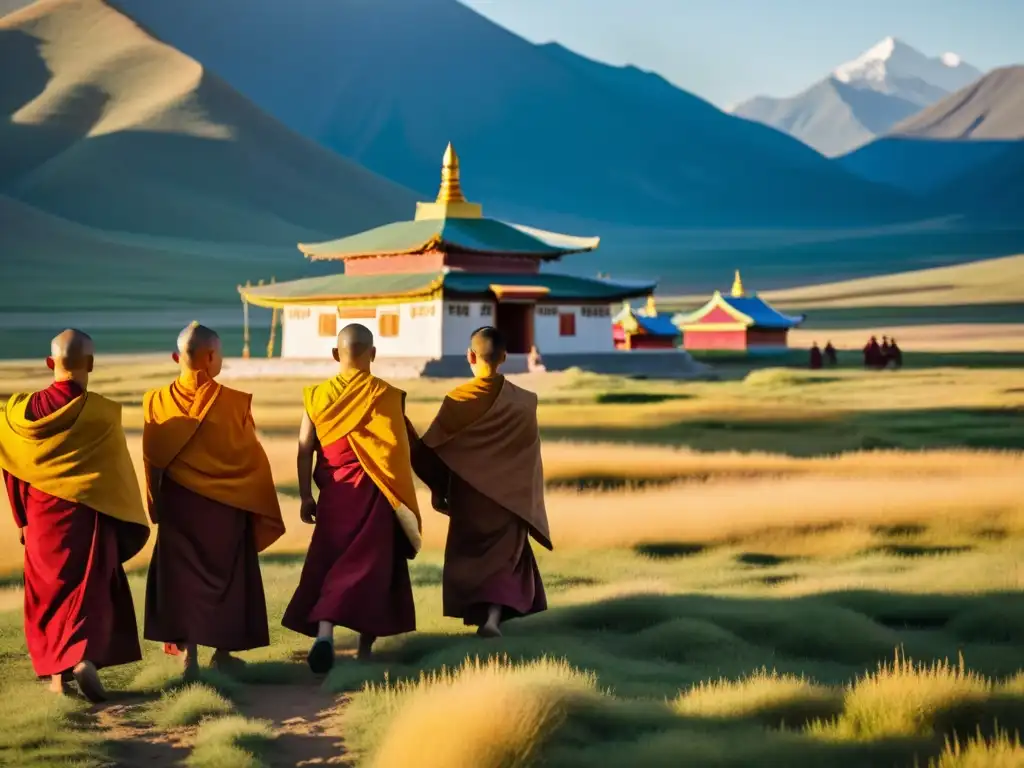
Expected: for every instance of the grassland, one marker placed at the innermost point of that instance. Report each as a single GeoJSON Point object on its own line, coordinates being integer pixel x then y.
{"type": "Point", "coordinates": [780, 568]}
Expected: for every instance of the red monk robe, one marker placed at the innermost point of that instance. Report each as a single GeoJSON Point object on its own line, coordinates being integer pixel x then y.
{"type": "Point", "coordinates": [481, 459]}
{"type": "Point", "coordinates": [217, 510]}
{"type": "Point", "coordinates": [78, 606]}
{"type": "Point", "coordinates": [356, 573]}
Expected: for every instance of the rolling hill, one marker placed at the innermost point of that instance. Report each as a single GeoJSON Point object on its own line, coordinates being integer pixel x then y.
{"type": "Point", "coordinates": [965, 150]}
{"type": "Point", "coordinates": [863, 98]}
{"type": "Point", "coordinates": [118, 153]}
{"type": "Point", "coordinates": [542, 131]}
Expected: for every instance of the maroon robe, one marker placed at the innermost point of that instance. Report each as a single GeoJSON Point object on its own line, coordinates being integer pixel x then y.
{"type": "Point", "coordinates": [488, 559]}
{"type": "Point", "coordinates": [204, 585]}
{"type": "Point", "coordinates": [356, 573]}
{"type": "Point", "coordinates": [78, 605]}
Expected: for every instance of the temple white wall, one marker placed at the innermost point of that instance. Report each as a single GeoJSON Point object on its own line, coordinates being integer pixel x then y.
{"type": "Point", "coordinates": [433, 329]}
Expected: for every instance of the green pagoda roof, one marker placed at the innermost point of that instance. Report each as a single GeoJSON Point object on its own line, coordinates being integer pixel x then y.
{"type": "Point", "coordinates": [348, 289]}
{"type": "Point", "coordinates": [480, 235]}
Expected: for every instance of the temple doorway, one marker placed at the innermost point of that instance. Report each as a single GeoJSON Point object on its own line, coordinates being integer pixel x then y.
{"type": "Point", "coordinates": [515, 321]}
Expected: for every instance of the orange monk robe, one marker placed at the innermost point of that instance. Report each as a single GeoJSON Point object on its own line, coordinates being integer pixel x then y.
{"type": "Point", "coordinates": [356, 573]}
{"type": "Point", "coordinates": [482, 456]}
{"type": "Point", "coordinates": [74, 490]}
{"type": "Point", "coordinates": [218, 509]}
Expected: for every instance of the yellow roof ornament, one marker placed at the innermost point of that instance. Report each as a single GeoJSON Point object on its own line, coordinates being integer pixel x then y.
{"type": "Point", "coordinates": [451, 203]}
{"type": "Point", "coordinates": [737, 286]}
{"type": "Point", "coordinates": [652, 309]}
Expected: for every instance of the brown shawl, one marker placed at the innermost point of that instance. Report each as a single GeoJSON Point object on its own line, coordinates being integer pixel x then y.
{"type": "Point", "coordinates": [497, 449]}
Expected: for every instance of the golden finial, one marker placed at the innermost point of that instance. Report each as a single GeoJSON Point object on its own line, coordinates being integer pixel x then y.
{"type": "Point", "coordinates": [451, 189]}
{"type": "Point", "coordinates": [652, 310]}
{"type": "Point", "coordinates": [737, 286]}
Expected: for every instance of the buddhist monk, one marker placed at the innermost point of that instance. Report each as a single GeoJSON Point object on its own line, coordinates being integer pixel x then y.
{"type": "Point", "coordinates": [77, 502]}
{"type": "Point", "coordinates": [213, 498]}
{"type": "Point", "coordinates": [367, 522]}
{"type": "Point", "coordinates": [831, 357]}
{"type": "Point", "coordinates": [817, 361]}
{"type": "Point", "coordinates": [481, 459]}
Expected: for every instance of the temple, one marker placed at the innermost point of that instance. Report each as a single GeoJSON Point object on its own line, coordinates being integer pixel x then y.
{"type": "Point", "coordinates": [645, 328]}
{"type": "Point", "coordinates": [737, 323]}
{"type": "Point", "coordinates": [423, 286]}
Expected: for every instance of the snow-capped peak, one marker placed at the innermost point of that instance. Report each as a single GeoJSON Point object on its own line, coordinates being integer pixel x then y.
{"type": "Point", "coordinates": [892, 60]}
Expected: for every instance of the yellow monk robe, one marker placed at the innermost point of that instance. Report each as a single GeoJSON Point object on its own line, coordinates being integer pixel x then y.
{"type": "Point", "coordinates": [202, 435]}
{"type": "Point", "coordinates": [481, 456]}
{"type": "Point", "coordinates": [218, 509]}
{"type": "Point", "coordinates": [371, 414]}
{"type": "Point", "coordinates": [74, 491]}
{"type": "Point", "coordinates": [77, 453]}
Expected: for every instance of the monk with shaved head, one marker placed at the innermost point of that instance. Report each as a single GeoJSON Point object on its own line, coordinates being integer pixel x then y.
{"type": "Point", "coordinates": [367, 521]}
{"type": "Point", "coordinates": [481, 460]}
{"type": "Point", "coordinates": [213, 498]}
{"type": "Point", "coordinates": [76, 499]}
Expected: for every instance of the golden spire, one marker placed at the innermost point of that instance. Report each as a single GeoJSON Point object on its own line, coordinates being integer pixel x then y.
{"type": "Point", "coordinates": [737, 286]}
{"type": "Point", "coordinates": [652, 309]}
{"type": "Point", "coordinates": [451, 189]}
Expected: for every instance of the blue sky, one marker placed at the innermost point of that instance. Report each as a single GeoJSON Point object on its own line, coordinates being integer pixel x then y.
{"type": "Point", "coordinates": [729, 50]}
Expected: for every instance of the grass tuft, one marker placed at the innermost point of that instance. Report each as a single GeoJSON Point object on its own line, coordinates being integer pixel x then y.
{"type": "Point", "coordinates": [1000, 751]}
{"type": "Point", "coordinates": [231, 742]}
{"type": "Point", "coordinates": [189, 705]}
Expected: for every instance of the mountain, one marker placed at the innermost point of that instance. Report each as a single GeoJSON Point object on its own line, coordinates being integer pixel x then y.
{"type": "Point", "coordinates": [541, 131]}
{"type": "Point", "coordinates": [863, 98]}
{"type": "Point", "coordinates": [114, 140]}
{"type": "Point", "coordinates": [966, 151]}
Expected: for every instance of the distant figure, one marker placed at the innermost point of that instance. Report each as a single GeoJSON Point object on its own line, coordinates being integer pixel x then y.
{"type": "Point", "coordinates": [895, 355]}
{"type": "Point", "coordinates": [366, 519]}
{"type": "Point", "coordinates": [535, 363]}
{"type": "Point", "coordinates": [77, 503]}
{"type": "Point", "coordinates": [213, 498]}
{"type": "Point", "coordinates": [481, 459]}
{"type": "Point", "coordinates": [885, 350]}
{"type": "Point", "coordinates": [831, 358]}
{"type": "Point", "coordinates": [816, 358]}
{"type": "Point", "coordinates": [873, 354]}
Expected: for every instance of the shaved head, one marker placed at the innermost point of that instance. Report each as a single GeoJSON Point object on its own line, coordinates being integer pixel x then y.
{"type": "Point", "coordinates": [72, 350]}
{"type": "Point", "coordinates": [355, 347]}
{"type": "Point", "coordinates": [199, 349]}
{"type": "Point", "coordinates": [488, 345]}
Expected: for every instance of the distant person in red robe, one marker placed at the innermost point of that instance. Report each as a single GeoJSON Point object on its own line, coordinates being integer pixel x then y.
{"type": "Point", "coordinates": [213, 498]}
{"type": "Point", "coordinates": [367, 521]}
{"type": "Point", "coordinates": [481, 459]}
{"type": "Point", "coordinates": [873, 354]}
{"type": "Point", "coordinates": [76, 500]}
{"type": "Point", "coordinates": [885, 353]}
{"type": "Point", "coordinates": [831, 357]}
{"type": "Point", "coordinates": [895, 355]}
{"type": "Point", "coordinates": [816, 358]}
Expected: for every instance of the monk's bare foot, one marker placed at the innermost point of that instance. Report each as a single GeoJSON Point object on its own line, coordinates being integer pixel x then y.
{"type": "Point", "coordinates": [58, 685]}
{"type": "Point", "coordinates": [365, 651]}
{"type": "Point", "coordinates": [89, 684]}
{"type": "Point", "coordinates": [489, 630]}
{"type": "Point", "coordinates": [321, 656]}
{"type": "Point", "coordinates": [223, 661]}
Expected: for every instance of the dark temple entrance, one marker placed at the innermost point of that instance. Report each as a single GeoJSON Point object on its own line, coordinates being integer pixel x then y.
{"type": "Point", "coordinates": [515, 321]}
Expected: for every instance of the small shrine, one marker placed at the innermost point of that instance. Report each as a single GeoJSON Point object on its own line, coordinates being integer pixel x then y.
{"type": "Point", "coordinates": [644, 328]}
{"type": "Point", "coordinates": [737, 323]}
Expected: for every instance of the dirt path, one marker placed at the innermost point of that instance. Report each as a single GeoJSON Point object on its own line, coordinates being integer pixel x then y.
{"type": "Point", "coordinates": [304, 718]}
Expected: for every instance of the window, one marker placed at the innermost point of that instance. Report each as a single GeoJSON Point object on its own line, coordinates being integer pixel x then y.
{"type": "Point", "coordinates": [297, 314]}
{"type": "Point", "coordinates": [599, 311]}
{"type": "Point", "coordinates": [459, 310]}
{"type": "Point", "coordinates": [546, 311]}
{"type": "Point", "coordinates": [421, 310]}
{"type": "Point", "coordinates": [328, 325]}
{"type": "Point", "coordinates": [388, 324]}
{"type": "Point", "coordinates": [486, 310]}
{"type": "Point", "coordinates": [567, 324]}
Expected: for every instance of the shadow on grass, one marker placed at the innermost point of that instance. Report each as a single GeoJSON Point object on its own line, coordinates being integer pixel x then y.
{"type": "Point", "coordinates": [639, 397]}
{"type": "Point", "coordinates": [913, 550]}
{"type": "Point", "coordinates": [762, 560]}
{"type": "Point", "coordinates": [988, 428]}
{"type": "Point", "coordinates": [669, 550]}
